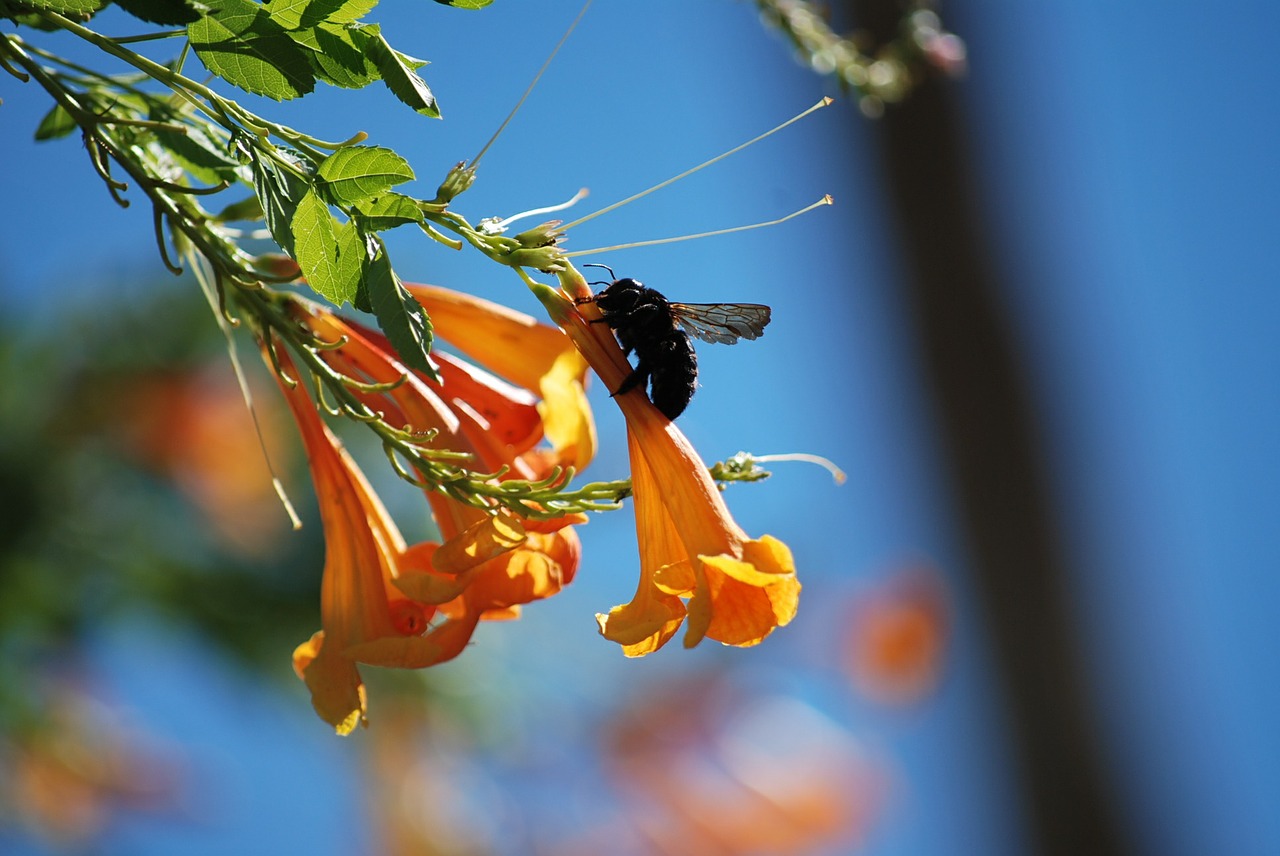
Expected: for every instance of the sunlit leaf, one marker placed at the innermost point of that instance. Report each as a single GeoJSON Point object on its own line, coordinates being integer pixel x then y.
{"type": "Point", "coordinates": [388, 210]}
{"type": "Point", "coordinates": [320, 248]}
{"type": "Point", "coordinates": [355, 173]}
{"type": "Point", "coordinates": [398, 74]}
{"type": "Point", "coordinates": [67, 7]}
{"type": "Point", "coordinates": [465, 4]}
{"type": "Point", "coordinates": [296, 14]}
{"type": "Point", "coordinates": [335, 55]}
{"type": "Point", "coordinates": [239, 42]}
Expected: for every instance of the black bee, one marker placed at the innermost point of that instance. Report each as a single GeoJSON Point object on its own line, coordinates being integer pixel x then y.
{"type": "Point", "coordinates": [658, 331]}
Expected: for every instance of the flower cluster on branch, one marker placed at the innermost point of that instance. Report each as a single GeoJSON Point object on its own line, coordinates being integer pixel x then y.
{"type": "Point", "coordinates": [494, 436]}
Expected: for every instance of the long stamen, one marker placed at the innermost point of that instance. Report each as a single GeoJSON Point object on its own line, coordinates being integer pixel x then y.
{"type": "Point", "coordinates": [823, 103]}
{"type": "Point", "coordinates": [476, 160]}
{"type": "Point", "coordinates": [826, 200]}
{"type": "Point", "coordinates": [827, 464]}
{"type": "Point", "coordinates": [200, 266]}
{"type": "Point", "coordinates": [550, 209]}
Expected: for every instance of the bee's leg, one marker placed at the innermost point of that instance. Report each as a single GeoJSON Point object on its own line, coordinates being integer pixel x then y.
{"type": "Point", "coordinates": [638, 378]}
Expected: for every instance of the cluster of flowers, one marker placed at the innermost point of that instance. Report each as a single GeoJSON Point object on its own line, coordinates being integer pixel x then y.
{"type": "Point", "coordinates": [387, 603]}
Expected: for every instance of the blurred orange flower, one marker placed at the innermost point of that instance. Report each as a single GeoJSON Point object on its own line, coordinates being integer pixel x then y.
{"type": "Point", "coordinates": [738, 589]}
{"type": "Point", "coordinates": [897, 639]}
{"type": "Point", "coordinates": [77, 765]}
{"type": "Point", "coordinates": [708, 766]}
{"type": "Point", "coordinates": [189, 426]}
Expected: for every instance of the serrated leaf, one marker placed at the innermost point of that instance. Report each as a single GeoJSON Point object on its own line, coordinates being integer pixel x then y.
{"type": "Point", "coordinates": [355, 173]}
{"type": "Point", "coordinates": [279, 192]}
{"type": "Point", "coordinates": [335, 56]}
{"type": "Point", "coordinates": [287, 13]}
{"type": "Point", "coordinates": [164, 11]}
{"type": "Point", "coordinates": [465, 4]}
{"type": "Point", "coordinates": [239, 42]}
{"type": "Point", "coordinates": [350, 11]}
{"type": "Point", "coordinates": [296, 14]}
{"type": "Point", "coordinates": [56, 123]}
{"type": "Point", "coordinates": [320, 246]}
{"type": "Point", "coordinates": [388, 211]}
{"type": "Point", "coordinates": [67, 7]}
{"type": "Point", "coordinates": [399, 314]}
{"type": "Point", "coordinates": [400, 77]}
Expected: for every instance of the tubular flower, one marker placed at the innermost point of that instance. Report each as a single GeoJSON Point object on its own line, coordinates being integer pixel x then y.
{"type": "Point", "coordinates": [534, 356]}
{"type": "Point", "coordinates": [490, 561]}
{"type": "Point", "coordinates": [696, 563]}
{"type": "Point", "coordinates": [359, 600]}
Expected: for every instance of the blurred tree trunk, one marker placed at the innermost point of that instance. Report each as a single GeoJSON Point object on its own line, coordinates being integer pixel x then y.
{"type": "Point", "coordinates": [988, 437]}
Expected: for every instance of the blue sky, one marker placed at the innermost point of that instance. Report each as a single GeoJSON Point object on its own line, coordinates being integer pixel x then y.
{"type": "Point", "coordinates": [1125, 159]}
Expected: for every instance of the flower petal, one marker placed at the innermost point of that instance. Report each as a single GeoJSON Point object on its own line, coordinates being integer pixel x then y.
{"type": "Point", "coordinates": [512, 344]}
{"type": "Point", "coordinates": [480, 542]}
{"type": "Point", "coordinates": [443, 643]}
{"type": "Point", "coordinates": [748, 604]}
{"type": "Point", "coordinates": [337, 693]}
{"type": "Point", "coordinates": [645, 624]}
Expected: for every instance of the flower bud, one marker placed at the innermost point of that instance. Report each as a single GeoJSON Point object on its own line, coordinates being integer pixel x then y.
{"type": "Point", "coordinates": [457, 181]}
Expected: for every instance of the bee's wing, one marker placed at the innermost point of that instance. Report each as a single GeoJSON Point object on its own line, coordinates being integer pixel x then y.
{"type": "Point", "coordinates": [723, 323]}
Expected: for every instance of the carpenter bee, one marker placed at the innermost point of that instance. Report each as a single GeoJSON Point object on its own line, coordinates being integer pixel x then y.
{"type": "Point", "coordinates": [658, 331]}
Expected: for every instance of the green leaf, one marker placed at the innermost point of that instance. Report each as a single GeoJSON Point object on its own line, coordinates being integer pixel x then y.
{"type": "Point", "coordinates": [329, 254]}
{"type": "Point", "coordinates": [335, 56]}
{"type": "Point", "coordinates": [388, 211]}
{"type": "Point", "coordinates": [398, 75]}
{"type": "Point", "coordinates": [296, 14]}
{"type": "Point", "coordinates": [203, 157]}
{"type": "Point", "coordinates": [164, 11]}
{"type": "Point", "coordinates": [67, 7]}
{"type": "Point", "coordinates": [348, 11]}
{"type": "Point", "coordinates": [239, 42]}
{"type": "Point", "coordinates": [249, 208]}
{"type": "Point", "coordinates": [279, 191]}
{"type": "Point", "coordinates": [465, 4]}
{"type": "Point", "coordinates": [399, 314]}
{"type": "Point", "coordinates": [355, 173]}
{"type": "Point", "coordinates": [56, 123]}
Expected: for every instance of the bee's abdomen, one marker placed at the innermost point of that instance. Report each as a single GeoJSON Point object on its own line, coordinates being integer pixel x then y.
{"type": "Point", "coordinates": [674, 366]}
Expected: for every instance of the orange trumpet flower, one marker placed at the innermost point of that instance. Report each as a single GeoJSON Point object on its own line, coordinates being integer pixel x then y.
{"type": "Point", "coordinates": [378, 595]}
{"type": "Point", "coordinates": [696, 563]}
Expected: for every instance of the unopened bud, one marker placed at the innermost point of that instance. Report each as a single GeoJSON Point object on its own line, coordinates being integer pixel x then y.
{"type": "Point", "coordinates": [457, 181]}
{"type": "Point", "coordinates": [543, 235]}
{"type": "Point", "coordinates": [549, 259]}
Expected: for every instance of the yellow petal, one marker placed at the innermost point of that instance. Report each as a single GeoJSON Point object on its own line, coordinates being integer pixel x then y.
{"type": "Point", "coordinates": [769, 555]}
{"type": "Point", "coordinates": [566, 416]}
{"type": "Point", "coordinates": [478, 543]}
{"type": "Point", "coordinates": [747, 605]}
{"type": "Point", "coordinates": [677, 578]}
{"type": "Point", "coordinates": [337, 693]}
{"type": "Point", "coordinates": [644, 625]}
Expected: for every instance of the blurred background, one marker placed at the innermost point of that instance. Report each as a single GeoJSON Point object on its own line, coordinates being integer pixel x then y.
{"type": "Point", "coordinates": [1037, 330]}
